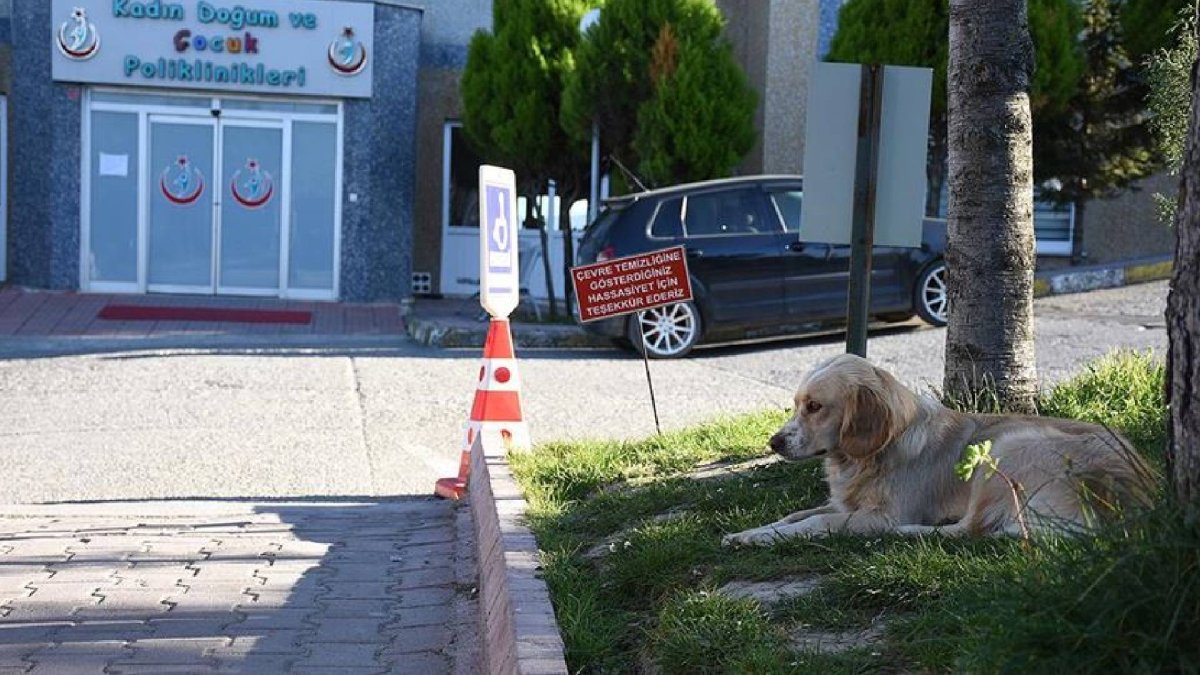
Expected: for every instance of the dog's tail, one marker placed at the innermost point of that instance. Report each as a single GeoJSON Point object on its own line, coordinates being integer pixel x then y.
{"type": "Point", "coordinates": [1123, 481]}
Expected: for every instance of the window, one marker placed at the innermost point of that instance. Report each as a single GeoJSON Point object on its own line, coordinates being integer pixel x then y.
{"type": "Point", "coordinates": [462, 179]}
{"type": "Point", "coordinates": [787, 205]}
{"type": "Point", "coordinates": [667, 224]}
{"type": "Point", "coordinates": [718, 214]}
{"type": "Point", "coordinates": [460, 192]}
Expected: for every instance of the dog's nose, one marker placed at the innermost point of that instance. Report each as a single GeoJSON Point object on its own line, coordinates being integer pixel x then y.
{"type": "Point", "coordinates": [777, 443]}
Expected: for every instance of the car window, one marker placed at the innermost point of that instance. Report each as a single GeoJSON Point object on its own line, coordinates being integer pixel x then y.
{"type": "Point", "coordinates": [667, 223]}
{"type": "Point", "coordinates": [730, 212]}
{"type": "Point", "coordinates": [788, 205]}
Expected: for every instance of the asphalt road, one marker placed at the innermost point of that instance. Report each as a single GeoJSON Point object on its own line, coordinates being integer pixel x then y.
{"type": "Point", "coordinates": [357, 421]}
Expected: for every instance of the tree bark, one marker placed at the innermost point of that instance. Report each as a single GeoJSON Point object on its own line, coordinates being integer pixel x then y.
{"type": "Point", "coordinates": [990, 248]}
{"type": "Point", "coordinates": [1183, 323]}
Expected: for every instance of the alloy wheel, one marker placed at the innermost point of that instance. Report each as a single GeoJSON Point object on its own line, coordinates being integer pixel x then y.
{"type": "Point", "coordinates": [667, 331]}
{"type": "Point", "coordinates": [934, 297]}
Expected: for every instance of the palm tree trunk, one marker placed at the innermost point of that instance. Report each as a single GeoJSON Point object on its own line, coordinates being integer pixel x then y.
{"type": "Point", "coordinates": [990, 249]}
{"type": "Point", "coordinates": [1183, 323]}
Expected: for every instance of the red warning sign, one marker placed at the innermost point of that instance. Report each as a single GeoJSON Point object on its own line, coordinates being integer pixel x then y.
{"type": "Point", "coordinates": [631, 284]}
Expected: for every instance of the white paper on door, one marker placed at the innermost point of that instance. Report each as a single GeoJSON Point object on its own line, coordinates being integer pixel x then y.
{"type": "Point", "coordinates": [114, 165]}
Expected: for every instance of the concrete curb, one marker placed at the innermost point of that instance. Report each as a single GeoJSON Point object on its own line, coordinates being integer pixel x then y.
{"type": "Point", "coordinates": [519, 632]}
{"type": "Point", "coordinates": [1092, 277]}
{"type": "Point", "coordinates": [431, 333]}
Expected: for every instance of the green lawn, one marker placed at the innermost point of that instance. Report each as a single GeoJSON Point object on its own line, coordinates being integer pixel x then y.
{"type": "Point", "coordinates": [631, 541]}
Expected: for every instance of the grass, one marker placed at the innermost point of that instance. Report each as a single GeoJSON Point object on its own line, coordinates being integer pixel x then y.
{"type": "Point", "coordinates": [633, 558]}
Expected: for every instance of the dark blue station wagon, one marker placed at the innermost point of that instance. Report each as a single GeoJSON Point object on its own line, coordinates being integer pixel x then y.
{"type": "Point", "coordinates": [753, 272]}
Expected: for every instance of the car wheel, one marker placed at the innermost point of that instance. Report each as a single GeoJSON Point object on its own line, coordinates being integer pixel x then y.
{"type": "Point", "coordinates": [932, 300]}
{"type": "Point", "coordinates": [667, 332]}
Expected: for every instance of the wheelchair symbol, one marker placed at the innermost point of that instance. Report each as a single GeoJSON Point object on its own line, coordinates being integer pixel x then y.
{"type": "Point", "coordinates": [500, 225]}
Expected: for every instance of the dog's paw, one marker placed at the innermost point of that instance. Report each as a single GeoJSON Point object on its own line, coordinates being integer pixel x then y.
{"type": "Point", "coordinates": [751, 538]}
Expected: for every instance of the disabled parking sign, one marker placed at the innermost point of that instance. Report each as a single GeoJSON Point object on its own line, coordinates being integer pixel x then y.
{"type": "Point", "coordinates": [499, 281]}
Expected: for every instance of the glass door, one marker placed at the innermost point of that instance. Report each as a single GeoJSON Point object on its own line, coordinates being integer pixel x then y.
{"type": "Point", "coordinates": [181, 209]}
{"type": "Point", "coordinates": [250, 207]}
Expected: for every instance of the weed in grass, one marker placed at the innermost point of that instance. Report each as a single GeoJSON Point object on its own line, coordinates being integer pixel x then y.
{"type": "Point", "coordinates": [1125, 391]}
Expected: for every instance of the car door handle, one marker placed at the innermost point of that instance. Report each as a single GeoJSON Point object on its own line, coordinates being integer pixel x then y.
{"type": "Point", "coordinates": [695, 253]}
{"type": "Point", "coordinates": [796, 247]}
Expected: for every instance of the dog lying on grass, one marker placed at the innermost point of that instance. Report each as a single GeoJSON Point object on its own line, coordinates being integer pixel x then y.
{"type": "Point", "coordinates": [890, 458]}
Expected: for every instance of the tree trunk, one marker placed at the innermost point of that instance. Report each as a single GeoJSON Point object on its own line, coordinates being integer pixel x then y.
{"type": "Point", "coordinates": [935, 169]}
{"type": "Point", "coordinates": [1078, 254]}
{"type": "Point", "coordinates": [1183, 323]}
{"type": "Point", "coordinates": [990, 249]}
{"type": "Point", "coordinates": [564, 220]}
{"type": "Point", "coordinates": [533, 218]}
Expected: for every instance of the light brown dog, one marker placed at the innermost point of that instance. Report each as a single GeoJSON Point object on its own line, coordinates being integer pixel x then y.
{"type": "Point", "coordinates": [890, 457]}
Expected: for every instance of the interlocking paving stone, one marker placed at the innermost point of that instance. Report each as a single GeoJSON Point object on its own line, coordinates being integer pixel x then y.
{"type": "Point", "coordinates": [255, 588]}
{"type": "Point", "coordinates": [426, 663]}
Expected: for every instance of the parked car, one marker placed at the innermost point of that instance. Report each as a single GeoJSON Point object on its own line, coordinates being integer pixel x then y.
{"type": "Point", "coordinates": [753, 272]}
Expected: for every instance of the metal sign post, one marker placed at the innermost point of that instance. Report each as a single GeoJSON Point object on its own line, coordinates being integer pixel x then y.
{"type": "Point", "coordinates": [862, 224]}
{"type": "Point", "coordinates": [864, 168]}
{"type": "Point", "coordinates": [646, 364]}
{"type": "Point", "coordinates": [632, 285]}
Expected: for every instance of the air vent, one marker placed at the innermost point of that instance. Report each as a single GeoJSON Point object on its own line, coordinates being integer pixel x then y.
{"type": "Point", "coordinates": [422, 283]}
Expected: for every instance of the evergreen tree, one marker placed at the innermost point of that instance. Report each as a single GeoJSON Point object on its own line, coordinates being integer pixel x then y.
{"type": "Point", "coordinates": [512, 89]}
{"type": "Point", "coordinates": [1169, 73]}
{"type": "Point", "coordinates": [1102, 140]}
{"type": "Point", "coordinates": [617, 75]}
{"type": "Point", "coordinates": [695, 126]}
{"type": "Point", "coordinates": [906, 33]}
{"type": "Point", "coordinates": [1148, 24]}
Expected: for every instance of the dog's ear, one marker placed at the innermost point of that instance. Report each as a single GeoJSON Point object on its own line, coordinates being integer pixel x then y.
{"type": "Point", "coordinates": [867, 423]}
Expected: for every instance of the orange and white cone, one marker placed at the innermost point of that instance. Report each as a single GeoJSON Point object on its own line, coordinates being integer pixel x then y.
{"type": "Point", "coordinates": [496, 414]}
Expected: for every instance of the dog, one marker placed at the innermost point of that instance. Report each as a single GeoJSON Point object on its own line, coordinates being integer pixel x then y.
{"type": "Point", "coordinates": [890, 458]}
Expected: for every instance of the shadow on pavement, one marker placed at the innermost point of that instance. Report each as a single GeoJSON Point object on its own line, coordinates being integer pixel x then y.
{"type": "Point", "coordinates": [265, 588]}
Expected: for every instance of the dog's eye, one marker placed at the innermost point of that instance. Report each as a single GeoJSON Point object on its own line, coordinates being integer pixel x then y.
{"type": "Point", "coordinates": [812, 407]}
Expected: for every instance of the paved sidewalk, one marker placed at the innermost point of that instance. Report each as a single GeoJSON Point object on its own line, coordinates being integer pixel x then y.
{"type": "Point", "coordinates": [194, 587]}
{"type": "Point", "coordinates": [35, 313]}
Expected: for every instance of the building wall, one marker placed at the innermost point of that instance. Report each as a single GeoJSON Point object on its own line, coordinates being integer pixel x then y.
{"type": "Point", "coordinates": [378, 162]}
{"type": "Point", "coordinates": [43, 234]}
{"type": "Point", "coordinates": [379, 166]}
{"type": "Point", "coordinates": [440, 101]}
{"type": "Point", "coordinates": [445, 35]}
{"type": "Point", "coordinates": [746, 23]}
{"type": "Point", "coordinates": [793, 37]}
{"type": "Point", "coordinates": [1127, 226]}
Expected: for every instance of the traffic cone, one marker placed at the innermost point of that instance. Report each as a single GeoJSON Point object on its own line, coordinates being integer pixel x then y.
{"type": "Point", "coordinates": [496, 413]}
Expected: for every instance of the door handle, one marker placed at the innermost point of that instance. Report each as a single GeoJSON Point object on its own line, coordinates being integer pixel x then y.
{"type": "Point", "coordinates": [796, 247]}
{"type": "Point", "coordinates": [695, 253]}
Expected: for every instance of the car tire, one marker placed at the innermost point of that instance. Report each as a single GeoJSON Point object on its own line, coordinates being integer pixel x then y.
{"type": "Point", "coordinates": [671, 331]}
{"type": "Point", "coordinates": [930, 297]}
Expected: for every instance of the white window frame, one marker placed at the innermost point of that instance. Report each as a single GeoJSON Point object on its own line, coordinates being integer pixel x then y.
{"type": "Point", "coordinates": [459, 269]}
{"type": "Point", "coordinates": [144, 111]}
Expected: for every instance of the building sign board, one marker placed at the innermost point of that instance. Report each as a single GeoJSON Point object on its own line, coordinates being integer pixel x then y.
{"type": "Point", "coordinates": [499, 277]}
{"type": "Point", "coordinates": [830, 149]}
{"type": "Point", "coordinates": [632, 284]}
{"type": "Point", "coordinates": [321, 48]}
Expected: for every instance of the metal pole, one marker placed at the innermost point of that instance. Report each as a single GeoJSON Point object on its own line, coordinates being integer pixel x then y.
{"type": "Point", "coordinates": [862, 231]}
{"type": "Point", "coordinates": [594, 194]}
{"type": "Point", "coordinates": [646, 363]}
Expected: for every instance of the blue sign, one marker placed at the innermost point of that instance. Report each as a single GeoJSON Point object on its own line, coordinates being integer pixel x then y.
{"type": "Point", "coordinates": [498, 275]}
{"type": "Point", "coordinates": [499, 234]}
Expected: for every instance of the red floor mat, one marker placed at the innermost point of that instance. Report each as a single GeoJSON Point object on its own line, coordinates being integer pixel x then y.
{"type": "Point", "coordinates": [151, 313]}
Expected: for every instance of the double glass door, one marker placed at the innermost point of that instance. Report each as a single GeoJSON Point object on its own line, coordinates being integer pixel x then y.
{"type": "Point", "coordinates": [199, 194]}
{"type": "Point", "coordinates": [215, 208]}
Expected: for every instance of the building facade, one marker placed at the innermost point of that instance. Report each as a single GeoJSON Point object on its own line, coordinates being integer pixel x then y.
{"type": "Point", "coordinates": [313, 148]}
